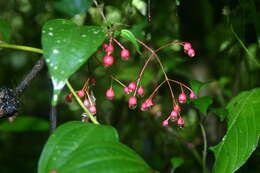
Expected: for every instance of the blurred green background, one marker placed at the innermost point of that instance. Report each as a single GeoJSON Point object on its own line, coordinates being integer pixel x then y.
{"type": "Point", "coordinates": [224, 33]}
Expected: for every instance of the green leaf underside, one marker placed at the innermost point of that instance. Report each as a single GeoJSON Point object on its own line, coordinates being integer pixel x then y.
{"type": "Point", "coordinates": [25, 123]}
{"type": "Point", "coordinates": [89, 148]}
{"type": "Point", "coordinates": [73, 7]}
{"type": "Point", "coordinates": [202, 103]}
{"type": "Point", "coordinates": [5, 31]}
{"type": "Point", "coordinates": [176, 162]}
{"type": "Point", "coordinates": [243, 132]}
{"type": "Point", "coordinates": [130, 36]}
{"type": "Point", "coordinates": [66, 47]}
{"type": "Point", "coordinates": [196, 85]}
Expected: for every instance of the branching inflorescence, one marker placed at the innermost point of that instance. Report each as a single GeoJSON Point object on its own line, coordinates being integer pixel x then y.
{"type": "Point", "coordinates": [135, 88]}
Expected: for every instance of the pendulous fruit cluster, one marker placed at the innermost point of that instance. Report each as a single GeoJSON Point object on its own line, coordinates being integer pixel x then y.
{"type": "Point", "coordinates": [108, 60]}
{"type": "Point", "coordinates": [9, 103]}
{"type": "Point", "coordinates": [135, 90]}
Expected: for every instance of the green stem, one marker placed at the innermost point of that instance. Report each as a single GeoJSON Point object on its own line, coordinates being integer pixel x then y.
{"type": "Point", "coordinates": [204, 153]}
{"type": "Point", "coordinates": [250, 56]}
{"type": "Point", "coordinates": [20, 47]}
{"type": "Point", "coordinates": [93, 119]}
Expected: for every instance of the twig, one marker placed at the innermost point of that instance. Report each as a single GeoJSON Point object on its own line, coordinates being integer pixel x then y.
{"type": "Point", "coordinates": [100, 10]}
{"type": "Point", "coordinates": [28, 78]}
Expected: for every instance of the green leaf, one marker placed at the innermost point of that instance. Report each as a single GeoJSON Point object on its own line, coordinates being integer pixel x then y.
{"type": "Point", "coordinates": [202, 103]}
{"type": "Point", "coordinates": [196, 86]}
{"type": "Point", "coordinates": [176, 162]}
{"type": "Point", "coordinates": [66, 47]}
{"type": "Point", "coordinates": [242, 134]}
{"type": "Point", "coordinates": [130, 36]}
{"type": "Point", "coordinates": [25, 123]}
{"type": "Point", "coordinates": [89, 148]}
{"type": "Point", "coordinates": [5, 31]}
{"type": "Point", "coordinates": [221, 112]}
{"type": "Point", "coordinates": [72, 7]}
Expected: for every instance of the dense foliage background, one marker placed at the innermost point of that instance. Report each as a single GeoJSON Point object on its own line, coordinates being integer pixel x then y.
{"type": "Point", "coordinates": [225, 35]}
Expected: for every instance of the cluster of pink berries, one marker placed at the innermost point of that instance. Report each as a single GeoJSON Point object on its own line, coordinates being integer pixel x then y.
{"type": "Point", "coordinates": [188, 49]}
{"type": "Point", "coordinates": [108, 60]}
{"type": "Point", "coordinates": [132, 102]}
{"type": "Point", "coordinates": [148, 103]}
{"type": "Point", "coordinates": [84, 94]}
{"type": "Point", "coordinates": [135, 86]}
{"type": "Point", "coordinates": [175, 113]}
{"type": "Point", "coordinates": [127, 89]}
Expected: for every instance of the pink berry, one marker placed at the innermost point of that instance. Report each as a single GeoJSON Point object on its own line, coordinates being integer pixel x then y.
{"type": "Point", "coordinates": [92, 109]}
{"type": "Point", "coordinates": [105, 46]}
{"type": "Point", "coordinates": [81, 93]}
{"type": "Point", "coordinates": [86, 102]}
{"type": "Point", "coordinates": [132, 86]}
{"type": "Point", "coordinates": [187, 46]}
{"type": "Point", "coordinates": [140, 91]}
{"type": "Point", "coordinates": [69, 98]}
{"type": "Point", "coordinates": [182, 98]}
{"type": "Point", "coordinates": [146, 104]}
{"type": "Point", "coordinates": [132, 101]}
{"type": "Point", "coordinates": [177, 108]}
{"type": "Point", "coordinates": [108, 60]}
{"type": "Point", "coordinates": [126, 90]}
{"type": "Point", "coordinates": [193, 95]}
{"type": "Point", "coordinates": [110, 94]}
{"type": "Point", "coordinates": [125, 54]}
{"type": "Point", "coordinates": [149, 102]}
{"type": "Point", "coordinates": [174, 114]}
{"type": "Point", "coordinates": [191, 52]}
{"type": "Point", "coordinates": [110, 49]}
{"type": "Point", "coordinates": [165, 123]}
{"type": "Point", "coordinates": [180, 121]}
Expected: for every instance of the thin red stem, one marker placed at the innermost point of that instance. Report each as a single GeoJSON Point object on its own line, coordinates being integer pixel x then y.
{"type": "Point", "coordinates": [181, 84]}
{"type": "Point", "coordinates": [160, 63]}
{"type": "Point", "coordinates": [119, 44]}
{"type": "Point", "coordinates": [111, 75]}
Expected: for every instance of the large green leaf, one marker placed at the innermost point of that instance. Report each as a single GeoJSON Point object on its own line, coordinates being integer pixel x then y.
{"type": "Point", "coordinates": [5, 31]}
{"type": "Point", "coordinates": [84, 147]}
{"type": "Point", "coordinates": [66, 47]}
{"type": "Point", "coordinates": [242, 134]}
{"type": "Point", "coordinates": [73, 7]}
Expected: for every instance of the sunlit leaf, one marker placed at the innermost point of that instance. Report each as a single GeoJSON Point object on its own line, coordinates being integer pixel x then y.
{"type": "Point", "coordinates": [243, 130]}
{"type": "Point", "coordinates": [89, 148]}
{"type": "Point", "coordinates": [66, 47]}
